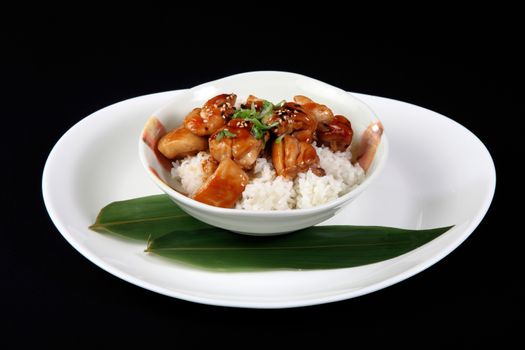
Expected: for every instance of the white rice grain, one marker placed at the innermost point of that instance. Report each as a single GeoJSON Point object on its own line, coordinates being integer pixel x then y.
{"type": "Point", "coordinates": [313, 190]}
{"type": "Point", "coordinates": [189, 172]}
{"type": "Point", "coordinates": [338, 165]}
{"type": "Point", "coordinates": [265, 191]}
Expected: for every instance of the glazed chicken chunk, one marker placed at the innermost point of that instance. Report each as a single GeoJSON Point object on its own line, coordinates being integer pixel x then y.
{"type": "Point", "coordinates": [293, 120]}
{"type": "Point", "coordinates": [291, 157]}
{"type": "Point", "coordinates": [235, 141]}
{"type": "Point", "coordinates": [212, 116]}
{"type": "Point", "coordinates": [224, 187]}
{"type": "Point", "coordinates": [322, 113]}
{"type": "Point", "coordinates": [336, 134]}
{"type": "Point", "coordinates": [180, 143]}
{"type": "Point", "coordinates": [332, 131]}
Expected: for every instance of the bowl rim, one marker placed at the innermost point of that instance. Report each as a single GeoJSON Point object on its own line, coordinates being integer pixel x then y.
{"type": "Point", "coordinates": [340, 201]}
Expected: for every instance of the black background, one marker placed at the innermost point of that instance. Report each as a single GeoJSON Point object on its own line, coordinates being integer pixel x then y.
{"type": "Point", "coordinates": [56, 77]}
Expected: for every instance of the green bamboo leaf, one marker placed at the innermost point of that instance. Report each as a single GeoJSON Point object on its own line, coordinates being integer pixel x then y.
{"type": "Point", "coordinates": [318, 247]}
{"type": "Point", "coordinates": [174, 234]}
{"type": "Point", "coordinates": [143, 218]}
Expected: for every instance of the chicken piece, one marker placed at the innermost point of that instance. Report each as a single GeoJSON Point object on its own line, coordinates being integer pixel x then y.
{"type": "Point", "coordinates": [336, 134]}
{"type": "Point", "coordinates": [293, 120]}
{"type": "Point", "coordinates": [253, 99]}
{"type": "Point", "coordinates": [322, 113]}
{"type": "Point", "coordinates": [181, 142]}
{"type": "Point", "coordinates": [284, 154]}
{"type": "Point", "coordinates": [209, 166]}
{"type": "Point", "coordinates": [212, 116]}
{"type": "Point", "coordinates": [308, 159]}
{"type": "Point", "coordinates": [221, 147]}
{"type": "Point", "coordinates": [291, 156]}
{"type": "Point", "coordinates": [246, 150]}
{"type": "Point", "coordinates": [235, 141]}
{"type": "Point", "coordinates": [332, 131]}
{"type": "Point", "coordinates": [368, 145]}
{"type": "Point", "coordinates": [224, 187]}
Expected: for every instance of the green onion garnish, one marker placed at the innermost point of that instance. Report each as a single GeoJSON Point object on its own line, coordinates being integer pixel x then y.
{"type": "Point", "coordinates": [258, 119]}
{"type": "Point", "coordinates": [279, 139]}
{"type": "Point", "coordinates": [224, 133]}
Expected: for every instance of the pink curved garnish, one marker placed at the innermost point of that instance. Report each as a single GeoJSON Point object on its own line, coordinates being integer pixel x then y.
{"type": "Point", "coordinates": [152, 132]}
{"type": "Point", "coordinates": [369, 143]}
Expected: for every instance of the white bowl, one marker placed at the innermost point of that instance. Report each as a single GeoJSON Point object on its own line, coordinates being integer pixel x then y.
{"type": "Point", "coordinates": [273, 86]}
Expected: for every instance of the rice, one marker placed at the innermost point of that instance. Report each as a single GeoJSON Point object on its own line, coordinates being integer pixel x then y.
{"type": "Point", "coordinates": [266, 191]}
{"type": "Point", "coordinates": [313, 190]}
{"type": "Point", "coordinates": [189, 172]}
{"type": "Point", "coordinates": [341, 177]}
{"type": "Point", "coordinates": [339, 166]}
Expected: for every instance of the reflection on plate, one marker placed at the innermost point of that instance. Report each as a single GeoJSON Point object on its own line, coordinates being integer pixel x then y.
{"type": "Point", "coordinates": [438, 174]}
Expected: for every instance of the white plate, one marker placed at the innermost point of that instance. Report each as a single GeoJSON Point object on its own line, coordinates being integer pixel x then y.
{"type": "Point", "coordinates": [438, 174]}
